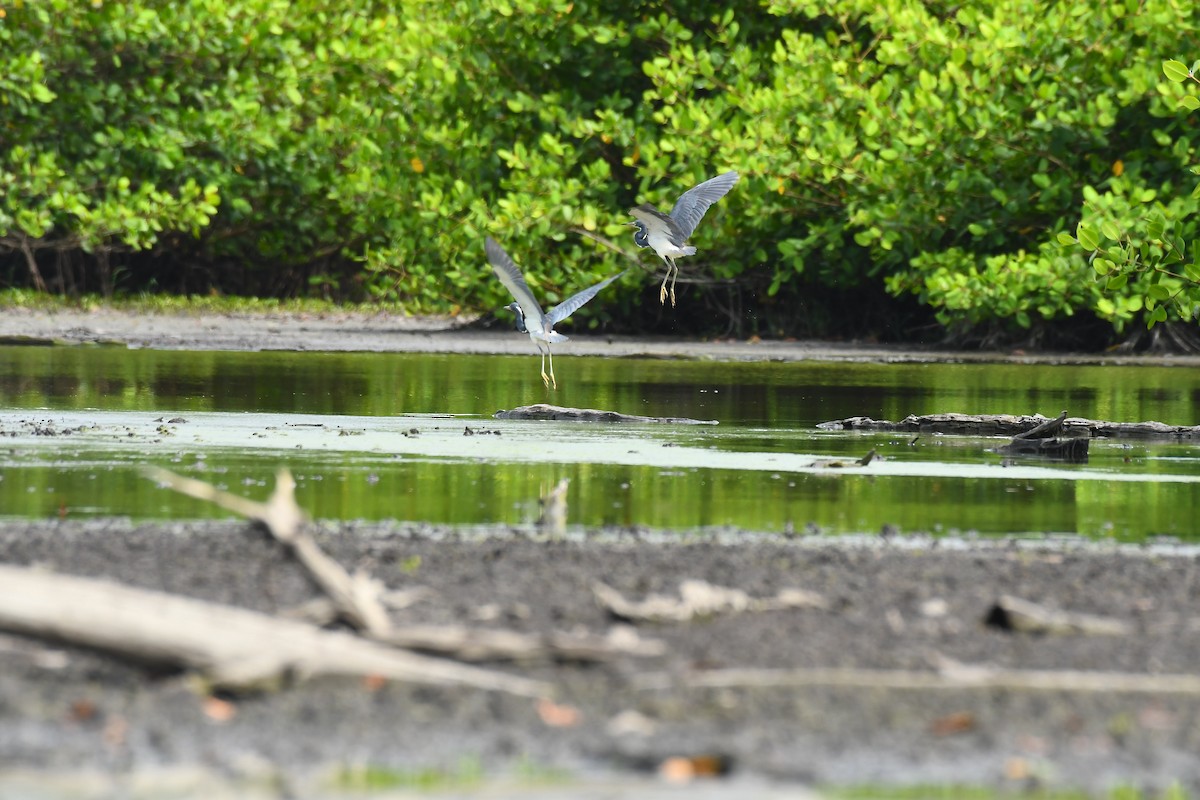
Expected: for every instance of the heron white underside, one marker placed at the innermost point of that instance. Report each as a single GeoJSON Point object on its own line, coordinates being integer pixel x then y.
{"type": "Point", "coordinates": [548, 336]}
{"type": "Point", "coordinates": [661, 244]}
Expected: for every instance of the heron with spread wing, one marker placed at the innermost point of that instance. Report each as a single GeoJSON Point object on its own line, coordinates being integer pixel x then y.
{"type": "Point", "coordinates": [667, 234]}
{"type": "Point", "coordinates": [530, 318]}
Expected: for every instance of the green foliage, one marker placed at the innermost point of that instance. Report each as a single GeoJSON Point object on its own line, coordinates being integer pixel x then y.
{"type": "Point", "coordinates": [362, 150]}
{"type": "Point", "coordinates": [1035, 104]}
{"type": "Point", "coordinates": [130, 125]}
{"type": "Point", "coordinates": [92, 160]}
{"type": "Point", "coordinates": [1143, 246]}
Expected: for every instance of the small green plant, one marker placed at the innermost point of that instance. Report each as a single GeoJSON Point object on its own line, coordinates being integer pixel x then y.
{"type": "Point", "coordinates": [373, 778]}
{"type": "Point", "coordinates": [146, 303]}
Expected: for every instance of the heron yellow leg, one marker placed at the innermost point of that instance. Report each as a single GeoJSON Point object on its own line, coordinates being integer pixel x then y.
{"type": "Point", "coordinates": [545, 377]}
{"type": "Point", "coordinates": [662, 291]}
{"type": "Point", "coordinates": [674, 275]}
{"type": "Point", "coordinates": [553, 383]}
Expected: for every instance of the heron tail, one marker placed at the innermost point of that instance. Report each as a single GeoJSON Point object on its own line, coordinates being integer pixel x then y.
{"type": "Point", "coordinates": [554, 337]}
{"type": "Point", "coordinates": [686, 251]}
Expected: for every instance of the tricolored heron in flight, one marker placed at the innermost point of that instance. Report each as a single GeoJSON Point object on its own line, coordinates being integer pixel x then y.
{"type": "Point", "coordinates": [667, 234]}
{"type": "Point", "coordinates": [530, 318]}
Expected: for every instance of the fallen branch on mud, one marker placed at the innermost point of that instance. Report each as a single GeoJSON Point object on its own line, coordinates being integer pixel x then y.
{"type": "Point", "coordinates": [553, 519]}
{"type": "Point", "coordinates": [1013, 425]}
{"type": "Point", "coordinates": [957, 677]}
{"type": "Point", "coordinates": [472, 644]}
{"type": "Point", "coordinates": [484, 644]}
{"type": "Point", "coordinates": [1022, 616]}
{"type": "Point", "coordinates": [358, 598]}
{"type": "Point", "coordinates": [231, 647]}
{"type": "Point", "coordinates": [238, 648]}
{"type": "Point", "coordinates": [545, 411]}
{"type": "Point", "coordinates": [698, 599]}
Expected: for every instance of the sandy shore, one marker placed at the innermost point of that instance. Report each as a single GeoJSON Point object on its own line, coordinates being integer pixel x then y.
{"type": "Point", "coordinates": [388, 333]}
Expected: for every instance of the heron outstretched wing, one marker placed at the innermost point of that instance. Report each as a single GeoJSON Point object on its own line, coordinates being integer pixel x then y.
{"type": "Point", "coordinates": [572, 304]}
{"type": "Point", "coordinates": [690, 207]}
{"type": "Point", "coordinates": [510, 275]}
{"type": "Point", "coordinates": [649, 219]}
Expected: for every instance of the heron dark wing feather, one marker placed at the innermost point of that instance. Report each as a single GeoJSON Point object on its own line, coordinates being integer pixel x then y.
{"type": "Point", "coordinates": [510, 275]}
{"type": "Point", "coordinates": [691, 206]}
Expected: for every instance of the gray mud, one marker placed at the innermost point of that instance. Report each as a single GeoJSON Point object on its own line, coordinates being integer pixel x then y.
{"type": "Point", "coordinates": [891, 605]}
{"type": "Point", "coordinates": [356, 332]}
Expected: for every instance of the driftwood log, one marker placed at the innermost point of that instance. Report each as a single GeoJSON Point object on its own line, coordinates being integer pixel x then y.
{"type": "Point", "coordinates": [231, 647]}
{"type": "Point", "coordinates": [1043, 441]}
{"type": "Point", "coordinates": [841, 463]}
{"type": "Point", "coordinates": [1073, 449]}
{"type": "Point", "coordinates": [545, 411]}
{"type": "Point", "coordinates": [1013, 425]}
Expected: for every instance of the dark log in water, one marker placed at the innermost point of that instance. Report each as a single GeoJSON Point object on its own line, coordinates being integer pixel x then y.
{"type": "Point", "coordinates": [544, 411]}
{"type": "Point", "coordinates": [1047, 429]}
{"type": "Point", "coordinates": [1015, 425]}
{"type": "Point", "coordinates": [1073, 449]}
{"type": "Point", "coordinates": [1043, 441]}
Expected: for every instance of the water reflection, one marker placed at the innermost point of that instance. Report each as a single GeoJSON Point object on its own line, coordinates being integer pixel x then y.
{"type": "Point", "coordinates": [763, 394]}
{"type": "Point", "coordinates": [333, 485]}
{"type": "Point", "coordinates": [762, 407]}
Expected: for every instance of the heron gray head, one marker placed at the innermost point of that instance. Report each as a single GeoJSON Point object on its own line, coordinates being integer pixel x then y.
{"type": "Point", "coordinates": [641, 237]}
{"type": "Point", "coordinates": [515, 307]}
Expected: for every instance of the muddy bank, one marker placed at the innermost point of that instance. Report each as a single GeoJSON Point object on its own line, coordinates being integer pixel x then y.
{"type": "Point", "coordinates": [896, 679]}
{"type": "Point", "coordinates": [796, 704]}
{"type": "Point", "coordinates": [398, 334]}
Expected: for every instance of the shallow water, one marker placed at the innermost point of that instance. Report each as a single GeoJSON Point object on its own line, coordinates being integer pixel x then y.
{"type": "Point", "coordinates": [344, 424]}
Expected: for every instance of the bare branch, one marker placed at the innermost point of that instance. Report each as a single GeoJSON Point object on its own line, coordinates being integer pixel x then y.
{"type": "Point", "coordinates": [357, 597]}
{"type": "Point", "coordinates": [233, 647]}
